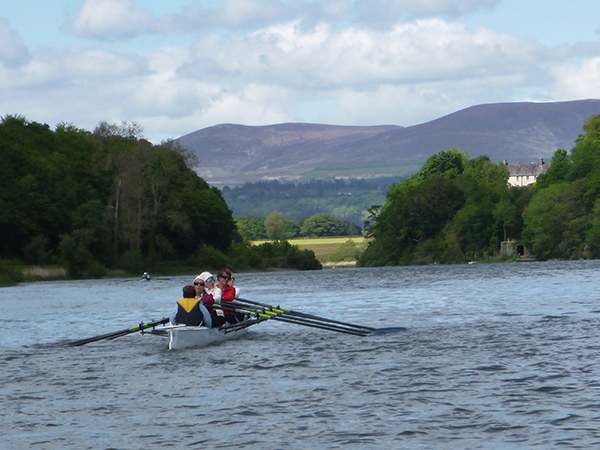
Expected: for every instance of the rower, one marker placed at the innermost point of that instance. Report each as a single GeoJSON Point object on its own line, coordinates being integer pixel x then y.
{"type": "Point", "coordinates": [188, 310]}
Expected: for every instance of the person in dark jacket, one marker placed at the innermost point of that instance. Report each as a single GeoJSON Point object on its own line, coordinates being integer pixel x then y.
{"type": "Point", "coordinates": [188, 309]}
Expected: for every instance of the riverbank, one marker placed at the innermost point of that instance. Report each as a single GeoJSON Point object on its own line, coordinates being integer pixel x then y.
{"type": "Point", "coordinates": [38, 273]}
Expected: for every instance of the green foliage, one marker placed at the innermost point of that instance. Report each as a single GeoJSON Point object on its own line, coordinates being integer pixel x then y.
{"type": "Point", "coordinates": [36, 251]}
{"type": "Point", "coordinates": [291, 229]}
{"type": "Point", "coordinates": [592, 239]}
{"type": "Point", "coordinates": [243, 256]}
{"type": "Point", "coordinates": [132, 261]}
{"type": "Point", "coordinates": [209, 256]}
{"type": "Point", "coordinates": [348, 251]}
{"type": "Point", "coordinates": [344, 199]}
{"type": "Point", "coordinates": [455, 209]}
{"type": "Point", "coordinates": [109, 199]}
{"type": "Point", "coordinates": [77, 258]}
{"type": "Point", "coordinates": [284, 255]}
{"type": "Point", "coordinates": [556, 222]}
{"type": "Point", "coordinates": [251, 228]}
{"type": "Point", "coordinates": [452, 210]}
{"type": "Point", "coordinates": [100, 200]}
{"type": "Point", "coordinates": [558, 170]}
{"type": "Point", "coordinates": [561, 220]}
{"type": "Point", "coordinates": [10, 272]}
{"type": "Point", "coordinates": [321, 225]}
{"type": "Point", "coordinates": [447, 164]}
{"type": "Point", "coordinates": [275, 225]}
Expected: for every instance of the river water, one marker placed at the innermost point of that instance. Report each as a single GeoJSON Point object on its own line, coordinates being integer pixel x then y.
{"type": "Point", "coordinates": [485, 356]}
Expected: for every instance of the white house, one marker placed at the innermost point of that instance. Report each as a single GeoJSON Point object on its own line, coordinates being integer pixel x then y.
{"type": "Point", "coordinates": [523, 174]}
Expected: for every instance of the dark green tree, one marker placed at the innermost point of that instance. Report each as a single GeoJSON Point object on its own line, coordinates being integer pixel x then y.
{"type": "Point", "coordinates": [102, 199]}
{"type": "Point", "coordinates": [321, 225]}
{"type": "Point", "coordinates": [560, 220]}
{"type": "Point", "coordinates": [446, 212]}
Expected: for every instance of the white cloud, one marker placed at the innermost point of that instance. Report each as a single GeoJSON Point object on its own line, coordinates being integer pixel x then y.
{"type": "Point", "coordinates": [278, 61]}
{"type": "Point", "coordinates": [12, 48]}
{"type": "Point", "coordinates": [110, 18]}
{"type": "Point", "coordinates": [319, 57]}
{"type": "Point", "coordinates": [576, 81]}
{"type": "Point", "coordinates": [390, 11]}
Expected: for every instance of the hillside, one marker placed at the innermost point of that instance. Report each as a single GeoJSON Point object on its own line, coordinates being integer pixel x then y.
{"type": "Point", "coordinates": [517, 132]}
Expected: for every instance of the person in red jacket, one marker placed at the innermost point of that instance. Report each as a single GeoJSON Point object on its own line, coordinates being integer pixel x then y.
{"type": "Point", "coordinates": [228, 293]}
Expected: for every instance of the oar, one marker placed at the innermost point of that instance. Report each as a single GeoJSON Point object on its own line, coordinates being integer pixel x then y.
{"type": "Point", "coordinates": [289, 312]}
{"type": "Point", "coordinates": [116, 334]}
{"type": "Point", "coordinates": [270, 313]}
{"type": "Point", "coordinates": [266, 314]}
{"type": "Point", "coordinates": [240, 326]}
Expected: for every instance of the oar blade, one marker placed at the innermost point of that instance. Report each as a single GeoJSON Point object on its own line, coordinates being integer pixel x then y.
{"type": "Point", "coordinates": [388, 330]}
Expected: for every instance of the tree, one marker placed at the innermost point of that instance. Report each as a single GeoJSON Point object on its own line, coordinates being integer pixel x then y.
{"type": "Point", "coordinates": [103, 199]}
{"type": "Point", "coordinates": [560, 166]}
{"type": "Point", "coordinates": [275, 225]}
{"type": "Point", "coordinates": [545, 220]}
{"type": "Point", "coordinates": [560, 220]}
{"type": "Point", "coordinates": [251, 228]}
{"type": "Point", "coordinates": [448, 164]}
{"type": "Point", "coordinates": [321, 225]}
{"type": "Point", "coordinates": [445, 212]}
{"type": "Point", "coordinates": [506, 213]}
{"type": "Point", "coordinates": [413, 216]}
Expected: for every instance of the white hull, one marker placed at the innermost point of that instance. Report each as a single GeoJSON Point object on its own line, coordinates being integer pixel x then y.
{"type": "Point", "coordinates": [182, 336]}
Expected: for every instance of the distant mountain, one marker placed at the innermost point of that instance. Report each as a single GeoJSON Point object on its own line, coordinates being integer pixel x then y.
{"type": "Point", "coordinates": [517, 132]}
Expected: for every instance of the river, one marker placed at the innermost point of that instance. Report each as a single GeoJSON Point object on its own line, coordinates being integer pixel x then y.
{"type": "Point", "coordinates": [495, 356]}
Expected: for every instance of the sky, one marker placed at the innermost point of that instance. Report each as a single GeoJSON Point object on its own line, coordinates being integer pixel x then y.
{"type": "Point", "coordinates": [174, 67]}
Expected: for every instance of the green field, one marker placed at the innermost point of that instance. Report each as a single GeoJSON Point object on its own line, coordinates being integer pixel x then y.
{"type": "Point", "coordinates": [323, 247]}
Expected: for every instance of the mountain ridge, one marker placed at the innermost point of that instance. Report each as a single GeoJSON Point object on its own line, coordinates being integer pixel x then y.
{"type": "Point", "coordinates": [516, 132]}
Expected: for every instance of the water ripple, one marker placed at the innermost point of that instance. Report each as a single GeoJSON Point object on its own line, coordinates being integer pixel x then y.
{"type": "Point", "coordinates": [468, 364]}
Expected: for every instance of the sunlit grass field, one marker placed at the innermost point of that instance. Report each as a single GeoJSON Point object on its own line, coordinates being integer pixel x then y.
{"type": "Point", "coordinates": [323, 247]}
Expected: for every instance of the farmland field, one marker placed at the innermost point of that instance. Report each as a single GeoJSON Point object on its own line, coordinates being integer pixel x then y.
{"type": "Point", "coordinates": [322, 247]}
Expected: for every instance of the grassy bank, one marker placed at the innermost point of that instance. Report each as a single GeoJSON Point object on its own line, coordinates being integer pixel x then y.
{"type": "Point", "coordinates": [330, 251]}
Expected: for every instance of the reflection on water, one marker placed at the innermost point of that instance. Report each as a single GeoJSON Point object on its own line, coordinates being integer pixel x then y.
{"type": "Point", "coordinates": [473, 356]}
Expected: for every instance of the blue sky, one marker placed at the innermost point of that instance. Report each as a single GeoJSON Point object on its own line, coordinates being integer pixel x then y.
{"type": "Point", "coordinates": [177, 66]}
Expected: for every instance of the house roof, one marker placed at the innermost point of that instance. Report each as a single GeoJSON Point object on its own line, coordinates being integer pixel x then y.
{"type": "Point", "coordinates": [527, 169]}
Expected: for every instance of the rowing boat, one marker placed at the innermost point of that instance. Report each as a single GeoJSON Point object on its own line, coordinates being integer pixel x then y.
{"type": "Point", "coordinates": [183, 336]}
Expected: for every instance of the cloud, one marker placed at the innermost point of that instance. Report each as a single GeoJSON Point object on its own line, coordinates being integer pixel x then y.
{"type": "Point", "coordinates": [382, 12]}
{"type": "Point", "coordinates": [110, 19]}
{"type": "Point", "coordinates": [575, 81]}
{"type": "Point", "coordinates": [92, 67]}
{"type": "Point", "coordinates": [13, 52]}
{"type": "Point", "coordinates": [259, 62]}
{"type": "Point", "coordinates": [320, 57]}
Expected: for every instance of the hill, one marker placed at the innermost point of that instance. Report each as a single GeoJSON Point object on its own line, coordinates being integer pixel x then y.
{"type": "Point", "coordinates": [517, 132]}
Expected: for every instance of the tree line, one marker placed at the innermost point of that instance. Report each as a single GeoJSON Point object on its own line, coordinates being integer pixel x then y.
{"type": "Point", "coordinates": [343, 199]}
{"type": "Point", "coordinates": [109, 199]}
{"type": "Point", "coordinates": [456, 209]}
{"type": "Point", "coordinates": [276, 227]}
